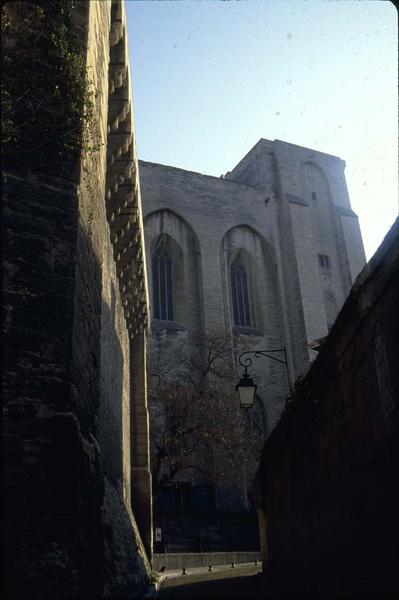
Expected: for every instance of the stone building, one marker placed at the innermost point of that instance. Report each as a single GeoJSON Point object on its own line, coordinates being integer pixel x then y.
{"type": "Point", "coordinates": [266, 253]}
{"type": "Point", "coordinates": [77, 483]}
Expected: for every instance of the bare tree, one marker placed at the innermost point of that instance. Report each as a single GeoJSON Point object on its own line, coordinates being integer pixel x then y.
{"type": "Point", "coordinates": [199, 432]}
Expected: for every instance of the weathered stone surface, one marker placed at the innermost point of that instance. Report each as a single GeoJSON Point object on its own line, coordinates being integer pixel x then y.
{"type": "Point", "coordinates": [328, 478]}
{"type": "Point", "coordinates": [278, 210]}
{"type": "Point", "coordinates": [69, 527]}
{"type": "Point", "coordinates": [126, 564]}
{"type": "Point", "coordinates": [293, 301]}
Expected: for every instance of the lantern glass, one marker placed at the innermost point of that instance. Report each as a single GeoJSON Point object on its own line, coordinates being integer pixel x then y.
{"type": "Point", "coordinates": [246, 389]}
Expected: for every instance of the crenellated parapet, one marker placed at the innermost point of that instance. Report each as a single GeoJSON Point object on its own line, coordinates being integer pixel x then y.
{"type": "Point", "coordinates": [122, 196]}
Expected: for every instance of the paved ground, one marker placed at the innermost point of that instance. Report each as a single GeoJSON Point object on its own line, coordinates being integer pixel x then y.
{"type": "Point", "coordinates": [245, 581]}
{"type": "Point", "coordinates": [173, 573]}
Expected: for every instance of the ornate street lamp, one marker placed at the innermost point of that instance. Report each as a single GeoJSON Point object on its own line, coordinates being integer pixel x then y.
{"type": "Point", "coordinates": [246, 387]}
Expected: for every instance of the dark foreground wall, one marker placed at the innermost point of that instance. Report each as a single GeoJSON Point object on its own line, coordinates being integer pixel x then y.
{"type": "Point", "coordinates": [69, 530]}
{"type": "Point", "coordinates": [328, 480]}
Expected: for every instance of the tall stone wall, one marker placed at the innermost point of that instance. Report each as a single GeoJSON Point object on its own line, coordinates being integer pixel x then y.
{"type": "Point", "coordinates": [73, 310]}
{"type": "Point", "coordinates": [210, 222]}
{"type": "Point", "coordinates": [328, 479]}
{"type": "Point", "coordinates": [284, 210]}
{"type": "Point", "coordinates": [307, 191]}
{"type": "Point", "coordinates": [44, 453]}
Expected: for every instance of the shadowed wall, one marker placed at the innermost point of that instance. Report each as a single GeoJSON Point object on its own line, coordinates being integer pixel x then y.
{"type": "Point", "coordinates": [328, 480]}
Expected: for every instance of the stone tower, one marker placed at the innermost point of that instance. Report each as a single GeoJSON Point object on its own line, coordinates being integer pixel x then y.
{"type": "Point", "coordinates": [267, 253]}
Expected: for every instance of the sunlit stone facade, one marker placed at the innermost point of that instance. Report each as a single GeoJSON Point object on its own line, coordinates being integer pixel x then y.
{"type": "Point", "coordinates": [267, 254]}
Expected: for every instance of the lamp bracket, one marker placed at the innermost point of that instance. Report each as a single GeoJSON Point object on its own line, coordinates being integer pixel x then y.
{"type": "Point", "coordinates": [247, 361]}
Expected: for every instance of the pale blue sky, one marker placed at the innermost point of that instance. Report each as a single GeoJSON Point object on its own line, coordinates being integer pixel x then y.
{"type": "Point", "coordinates": [210, 78]}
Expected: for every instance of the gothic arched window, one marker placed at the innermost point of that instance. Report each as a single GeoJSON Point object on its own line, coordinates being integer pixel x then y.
{"type": "Point", "coordinates": [162, 281]}
{"type": "Point", "coordinates": [239, 295]}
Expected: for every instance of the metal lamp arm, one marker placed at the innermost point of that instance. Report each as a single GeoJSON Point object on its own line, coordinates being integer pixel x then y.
{"type": "Point", "coordinates": [245, 361]}
{"type": "Point", "coordinates": [257, 353]}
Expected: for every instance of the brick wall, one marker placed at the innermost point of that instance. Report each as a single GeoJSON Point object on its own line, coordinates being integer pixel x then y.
{"type": "Point", "coordinates": [328, 478]}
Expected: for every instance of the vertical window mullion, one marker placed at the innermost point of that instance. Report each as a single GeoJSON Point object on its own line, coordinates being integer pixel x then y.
{"type": "Point", "coordinates": [159, 287]}
{"type": "Point", "coordinates": [163, 289]}
{"type": "Point", "coordinates": [241, 299]}
{"type": "Point", "coordinates": [155, 285]}
{"type": "Point", "coordinates": [247, 321]}
{"type": "Point", "coordinates": [234, 296]}
{"type": "Point", "coordinates": [169, 305]}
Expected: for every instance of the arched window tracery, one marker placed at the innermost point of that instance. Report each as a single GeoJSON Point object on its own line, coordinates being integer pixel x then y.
{"type": "Point", "coordinates": [162, 280]}
{"type": "Point", "coordinates": [239, 294]}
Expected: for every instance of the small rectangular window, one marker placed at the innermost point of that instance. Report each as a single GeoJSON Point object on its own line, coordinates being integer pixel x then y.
{"type": "Point", "coordinates": [314, 196]}
{"type": "Point", "coordinates": [324, 261]}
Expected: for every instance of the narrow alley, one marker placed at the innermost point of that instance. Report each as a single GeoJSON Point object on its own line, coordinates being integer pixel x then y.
{"type": "Point", "coordinates": [200, 375]}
